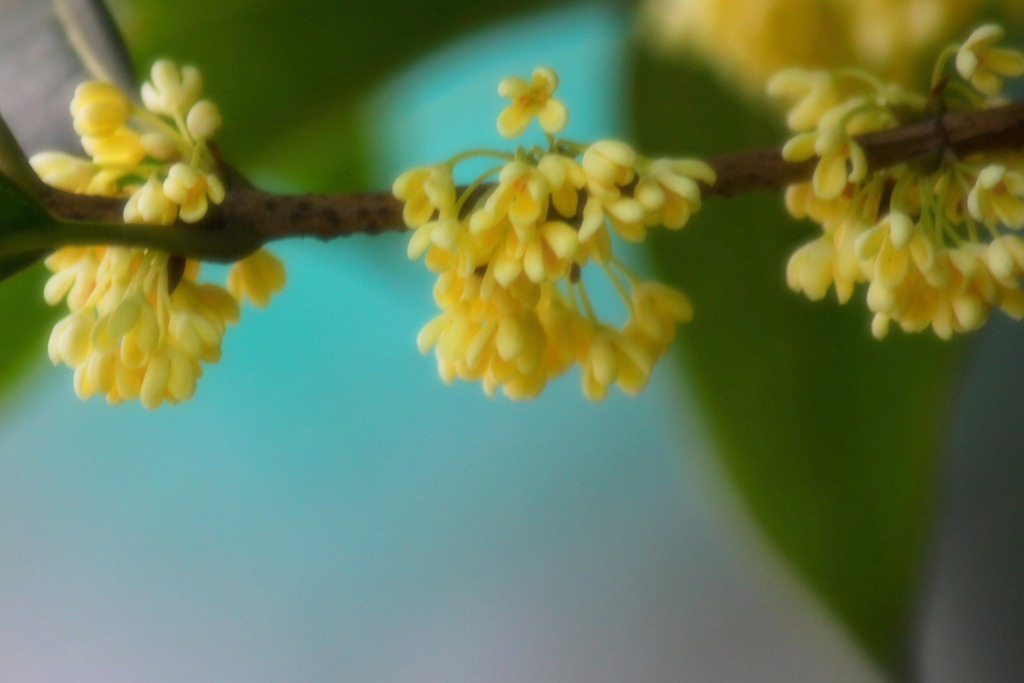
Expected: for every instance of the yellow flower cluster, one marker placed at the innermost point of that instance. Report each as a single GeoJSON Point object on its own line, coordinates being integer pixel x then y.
{"type": "Point", "coordinates": [140, 324]}
{"type": "Point", "coordinates": [749, 40]}
{"type": "Point", "coordinates": [935, 242]}
{"type": "Point", "coordinates": [510, 251]}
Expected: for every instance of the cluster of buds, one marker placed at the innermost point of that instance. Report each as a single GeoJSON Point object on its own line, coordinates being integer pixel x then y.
{"type": "Point", "coordinates": [511, 250]}
{"type": "Point", "coordinates": [935, 240]}
{"type": "Point", "coordinates": [157, 154]}
{"type": "Point", "coordinates": [140, 324]}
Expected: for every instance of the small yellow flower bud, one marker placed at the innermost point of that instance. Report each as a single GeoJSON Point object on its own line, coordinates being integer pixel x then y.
{"type": "Point", "coordinates": [609, 163]}
{"type": "Point", "coordinates": [190, 188]}
{"type": "Point", "coordinates": [424, 190]}
{"type": "Point", "coordinates": [154, 383]}
{"type": "Point", "coordinates": [71, 340]}
{"type": "Point", "coordinates": [256, 277]}
{"type": "Point", "coordinates": [181, 378]}
{"type": "Point", "coordinates": [123, 147]}
{"type": "Point", "coordinates": [99, 109]}
{"type": "Point", "coordinates": [63, 171]}
{"type": "Point", "coordinates": [984, 65]}
{"type": "Point", "coordinates": [171, 91]}
{"type": "Point", "coordinates": [149, 204]}
{"type": "Point", "coordinates": [203, 120]}
{"type": "Point", "coordinates": [814, 92]}
{"type": "Point", "coordinates": [160, 146]}
{"type": "Point", "coordinates": [998, 197]}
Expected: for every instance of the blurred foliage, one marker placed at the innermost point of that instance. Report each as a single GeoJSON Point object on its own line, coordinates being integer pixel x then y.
{"type": "Point", "coordinates": [18, 213]}
{"type": "Point", "coordinates": [28, 320]}
{"type": "Point", "coordinates": [830, 436]}
{"type": "Point", "coordinates": [21, 297]}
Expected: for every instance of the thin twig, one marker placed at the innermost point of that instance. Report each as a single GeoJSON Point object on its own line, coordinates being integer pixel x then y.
{"type": "Point", "coordinates": [250, 217]}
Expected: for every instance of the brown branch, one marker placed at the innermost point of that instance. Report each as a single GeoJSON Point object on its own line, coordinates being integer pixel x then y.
{"type": "Point", "coordinates": [249, 217]}
{"type": "Point", "coordinates": [963, 133]}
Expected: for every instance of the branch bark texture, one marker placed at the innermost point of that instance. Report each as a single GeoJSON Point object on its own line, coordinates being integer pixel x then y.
{"type": "Point", "coordinates": [250, 217]}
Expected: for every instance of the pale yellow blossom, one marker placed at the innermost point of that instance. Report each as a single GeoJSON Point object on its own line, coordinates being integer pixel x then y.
{"type": "Point", "coordinates": [515, 312]}
{"type": "Point", "coordinates": [190, 189]}
{"type": "Point", "coordinates": [669, 193]}
{"type": "Point", "coordinates": [998, 197]}
{"type": "Point", "coordinates": [171, 90]}
{"type": "Point", "coordinates": [203, 120]}
{"type": "Point", "coordinates": [815, 93]}
{"type": "Point", "coordinates": [122, 147]}
{"type": "Point", "coordinates": [532, 99]}
{"type": "Point", "coordinates": [140, 325]}
{"type": "Point", "coordinates": [983, 64]}
{"type": "Point", "coordinates": [63, 171]}
{"type": "Point", "coordinates": [426, 191]}
{"type": "Point", "coordinates": [99, 109]}
{"type": "Point", "coordinates": [150, 204]}
{"type": "Point", "coordinates": [257, 277]}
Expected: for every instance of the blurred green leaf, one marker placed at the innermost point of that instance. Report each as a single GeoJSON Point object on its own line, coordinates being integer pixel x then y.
{"type": "Point", "coordinates": [830, 436]}
{"type": "Point", "coordinates": [12, 265]}
{"type": "Point", "coordinates": [21, 296]}
{"type": "Point", "coordinates": [23, 341]}
{"type": "Point", "coordinates": [276, 67]}
{"type": "Point", "coordinates": [18, 212]}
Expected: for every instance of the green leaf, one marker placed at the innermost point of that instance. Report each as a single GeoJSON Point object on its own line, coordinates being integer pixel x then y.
{"type": "Point", "coordinates": [21, 294]}
{"type": "Point", "coordinates": [23, 342]}
{"type": "Point", "coordinates": [830, 437]}
{"type": "Point", "coordinates": [12, 265]}
{"type": "Point", "coordinates": [19, 212]}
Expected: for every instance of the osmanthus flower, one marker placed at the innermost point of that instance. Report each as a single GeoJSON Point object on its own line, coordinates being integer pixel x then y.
{"type": "Point", "coordinates": [535, 98]}
{"type": "Point", "coordinates": [934, 245]}
{"type": "Point", "coordinates": [257, 278]}
{"type": "Point", "coordinates": [424, 190]}
{"type": "Point", "coordinates": [131, 338]}
{"type": "Point", "coordinates": [814, 93]}
{"type": "Point", "coordinates": [609, 167]}
{"type": "Point", "coordinates": [513, 248]}
{"type": "Point", "coordinates": [669, 191]}
{"type": "Point", "coordinates": [150, 205]}
{"type": "Point", "coordinates": [99, 109]}
{"type": "Point", "coordinates": [841, 160]}
{"type": "Point", "coordinates": [171, 90]}
{"type": "Point", "coordinates": [190, 188]}
{"type": "Point", "coordinates": [998, 197]}
{"type": "Point", "coordinates": [141, 324]}
{"type": "Point", "coordinates": [984, 65]}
